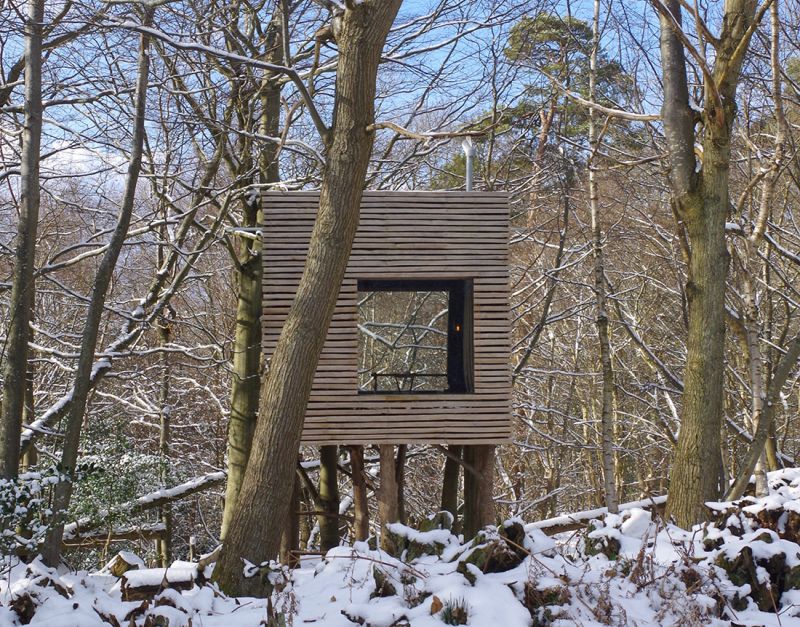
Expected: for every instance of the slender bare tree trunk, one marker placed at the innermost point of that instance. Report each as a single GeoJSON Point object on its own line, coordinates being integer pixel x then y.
{"type": "Point", "coordinates": [360, 36]}
{"type": "Point", "coordinates": [30, 457]}
{"type": "Point", "coordinates": [22, 284]}
{"type": "Point", "coordinates": [751, 314]}
{"type": "Point", "coordinates": [328, 517]}
{"type": "Point", "coordinates": [360, 504]}
{"type": "Point", "coordinates": [701, 200]}
{"type": "Point", "coordinates": [164, 542]}
{"type": "Point", "coordinates": [755, 361]}
{"type": "Point", "coordinates": [246, 376]}
{"type": "Point", "coordinates": [782, 372]}
{"type": "Point", "coordinates": [601, 310]}
{"type": "Point", "coordinates": [62, 492]}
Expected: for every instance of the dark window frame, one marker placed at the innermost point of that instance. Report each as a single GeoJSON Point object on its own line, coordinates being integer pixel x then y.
{"type": "Point", "coordinates": [460, 328]}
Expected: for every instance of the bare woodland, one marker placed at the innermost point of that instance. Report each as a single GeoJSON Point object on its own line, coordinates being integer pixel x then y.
{"type": "Point", "coordinates": [649, 151]}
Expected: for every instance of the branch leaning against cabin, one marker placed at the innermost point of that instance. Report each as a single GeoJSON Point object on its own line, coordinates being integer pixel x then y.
{"type": "Point", "coordinates": [361, 34]}
{"type": "Point", "coordinates": [700, 196]}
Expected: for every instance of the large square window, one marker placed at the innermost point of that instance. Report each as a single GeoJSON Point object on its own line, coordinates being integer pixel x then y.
{"type": "Point", "coordinates": [415, 336]}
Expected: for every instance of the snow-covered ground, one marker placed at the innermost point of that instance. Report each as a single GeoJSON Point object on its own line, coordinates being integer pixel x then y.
{"type": "Point", "coordinates": [627, 569]}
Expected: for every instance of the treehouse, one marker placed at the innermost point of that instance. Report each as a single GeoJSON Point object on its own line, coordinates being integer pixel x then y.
{"type": "Point", "coordinates": [418, 350]}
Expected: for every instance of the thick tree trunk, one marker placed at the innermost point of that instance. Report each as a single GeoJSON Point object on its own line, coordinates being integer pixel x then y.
{"type": "Point", "coordinates": [702, 201]}
{"type": "Point", "coordinates": [360, 503]}
{"type": "Point", "coordinates": [360, 36]}
{"type": "Point", "coordinates": [62, 493]}
{"type": "Point", "coordinates": [328, 518]}
{"type": "Point", "coordinates": [478, 485]}
{"type": "Point", "coordinates": [695, 471]}
{"type": "Point", "coordinates": [22, 285]}
{"type": "Point", "coordinates": [290, 541]}
{"type": "Point", "coordinates": [246, 376]}
{"type": "Point", "coordinates": [388, 505]}
{"type": "Point", "coordinates": [450, 483]}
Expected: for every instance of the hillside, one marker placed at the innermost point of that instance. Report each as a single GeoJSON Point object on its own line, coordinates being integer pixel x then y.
{"type": "Point", "coordinates": [626, 569]}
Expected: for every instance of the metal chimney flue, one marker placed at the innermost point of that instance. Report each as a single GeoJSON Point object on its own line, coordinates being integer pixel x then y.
{"type": "Point", "coordinates": [469, 152]}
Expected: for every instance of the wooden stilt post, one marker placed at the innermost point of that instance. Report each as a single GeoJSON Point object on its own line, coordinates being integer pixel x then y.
{"type": "Point", "coordinates": [478, 502]}
{"type": "Point", "coordinates": [387, 493]}
{"type": "Point", "coordinates": [360, 505]}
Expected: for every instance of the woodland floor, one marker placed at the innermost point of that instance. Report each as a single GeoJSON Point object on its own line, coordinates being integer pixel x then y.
{"type": "Point", "coordinates": [627, 569]}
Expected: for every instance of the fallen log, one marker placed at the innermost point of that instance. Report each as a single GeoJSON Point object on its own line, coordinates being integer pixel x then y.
{"type": "Point", "coordinates": [156, 499]}
{"type": "Point", "coordinates": [144, 584]}
{"type": "Point", "coordinates": [579, 520]}
{"type": "Point", "coordinates": [104, 536]}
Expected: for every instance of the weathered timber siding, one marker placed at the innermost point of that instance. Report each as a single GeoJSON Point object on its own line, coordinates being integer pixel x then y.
{"type": "Point", "coordinates": [401, 235]}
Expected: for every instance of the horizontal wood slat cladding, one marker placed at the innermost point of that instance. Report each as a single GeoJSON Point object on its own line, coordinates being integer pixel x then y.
{"type": "Point", "coordinates": [401, 235]}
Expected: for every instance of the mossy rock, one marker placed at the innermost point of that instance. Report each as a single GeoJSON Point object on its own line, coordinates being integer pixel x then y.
{"type": "Point", "coordinates": [791, 528]}
{"type": "Point", "coordinates": [739, 603]}
{"type": "Point", "coordinates": [418, 549]}
{"type": "Point", "coordinates": [741, 570]}
{"type": "Point", "coordinates": [792, 580]}
{"type": "Point", "coordinates": [764, 537]}
{"type": "Point", "coordinates": [606, 545]}
{"type": "Point", "coordinates": [383, 586]}
{"type": "Point", "coordinates": [396, 544]}
{"type": "Point", "coordinates": [538, 602]}
{"type": "Point", "coordinates": [711, 544]}
{"type": "Point", "coordinates": [514, 533]}
{"type": "Point", "coordinates": [500, 554]}
{"type": "Point", "coordinates": [440, 520]}
{"type": "Point", "coordinates": [462, 569]}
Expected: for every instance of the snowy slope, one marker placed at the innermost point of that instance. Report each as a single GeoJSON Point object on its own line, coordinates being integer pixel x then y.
{"type": "Point", "coordinates": [625, 569]}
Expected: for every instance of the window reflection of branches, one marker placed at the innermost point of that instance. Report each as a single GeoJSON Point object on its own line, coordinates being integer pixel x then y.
{"type": "Point", "coordinates": [403, 341]}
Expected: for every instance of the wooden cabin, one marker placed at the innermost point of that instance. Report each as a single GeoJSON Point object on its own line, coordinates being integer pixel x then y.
{"type": "Point", "coordinates": [418, 350]}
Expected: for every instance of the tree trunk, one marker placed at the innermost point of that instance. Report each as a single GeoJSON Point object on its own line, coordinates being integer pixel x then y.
{"type": "Point", "coordinates": [774, 461]}
{"type": "Point", "coordinates": [62, 493]}
{"type": "Point", "coordinates": [450, 483]}
{"type": "Point", "coordinates": [290, 541]}
{"type": "Point", "coordinates": [388, 506]}
{"type": "Point", "coordinates": [701, 199]}
{"type": "Point", "coordinates": [30, 457]}
{"type": "Point", "coordinates": [361, 34]}
{"type": "Point", "coordinates": [246, 376]}
{"type": "Point", "coordinates": [695, 471]}
{"type": "Point", "coordinates": [478, 486]}
{"type": "Point", "coordinates": [22, 284]}
{"type": "Point", "coordinates": [782, 372]}
{"type": "Point", "coordinates": [328, 518]}
{"type": "Point", "coordinates": [164, 542]}
{"type": "Point", "coordinates": [601, 310]}
{"type": "Point", "coordinates": [400, 479]}
{"type": "Point", "coordinates": [360, 503]}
